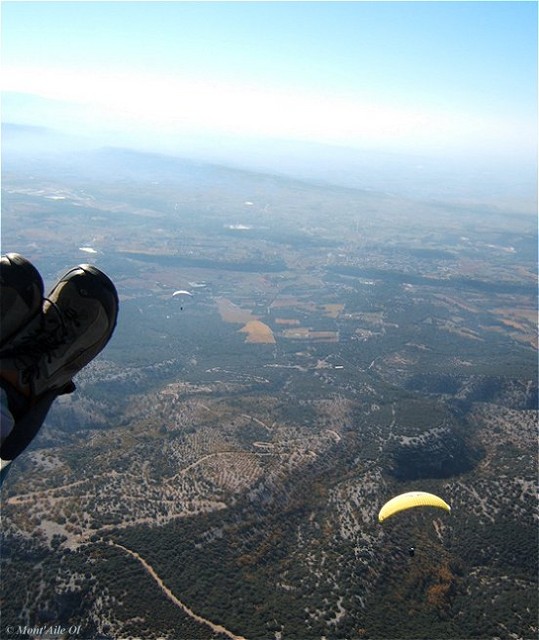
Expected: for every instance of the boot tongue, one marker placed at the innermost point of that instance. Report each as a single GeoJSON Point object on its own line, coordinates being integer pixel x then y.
{"type": "Point", "coordinates": [24, 361]}
{"type": "Point", "coordinates": [38, 340]}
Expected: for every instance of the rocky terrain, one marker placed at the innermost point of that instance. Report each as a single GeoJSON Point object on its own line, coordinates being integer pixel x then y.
{"type": "Point", "coordinates": [219, 470]}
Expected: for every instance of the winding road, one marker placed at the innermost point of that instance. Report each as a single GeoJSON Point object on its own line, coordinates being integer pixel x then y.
{"type": "Point", "coordinates": [217, 628]}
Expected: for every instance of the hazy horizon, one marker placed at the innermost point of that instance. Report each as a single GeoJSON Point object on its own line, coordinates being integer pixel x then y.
{"type": "Point", "coordinates": [437, 91]}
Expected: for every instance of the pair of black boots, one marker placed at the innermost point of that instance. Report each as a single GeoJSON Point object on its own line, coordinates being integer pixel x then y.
{"type": "Point", "coordinates": [45, 341]}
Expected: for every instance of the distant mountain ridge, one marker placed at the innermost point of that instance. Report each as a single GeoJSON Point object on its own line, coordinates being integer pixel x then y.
{"type": "Point", "coordinates": [412, 176]}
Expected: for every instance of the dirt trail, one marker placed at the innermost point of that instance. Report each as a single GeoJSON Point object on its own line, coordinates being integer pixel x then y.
{"type": "Point", "coordinates": [25, 497]}
{"type": "Point", "coordinates": [217, 628]}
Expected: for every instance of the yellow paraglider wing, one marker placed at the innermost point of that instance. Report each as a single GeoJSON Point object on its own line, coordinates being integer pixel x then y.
{"type": "Point", "coordinates": [409, 500]}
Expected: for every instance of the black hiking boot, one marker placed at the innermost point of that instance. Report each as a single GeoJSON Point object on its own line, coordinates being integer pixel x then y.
{"type": "Point", "coordinates": [21, 295]}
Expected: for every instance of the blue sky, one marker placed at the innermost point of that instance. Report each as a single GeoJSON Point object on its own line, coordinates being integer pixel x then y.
{"type": "Point", "coordinates": [441, 78]}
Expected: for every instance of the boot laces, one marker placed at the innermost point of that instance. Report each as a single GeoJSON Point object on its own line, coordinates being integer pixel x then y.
{"type": "Point", "coordinates": [41, 342]}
